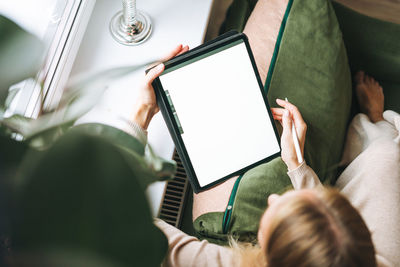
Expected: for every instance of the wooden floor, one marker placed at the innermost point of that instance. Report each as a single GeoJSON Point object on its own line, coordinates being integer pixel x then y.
{"type": "Point", "coordinates": [388, 10]}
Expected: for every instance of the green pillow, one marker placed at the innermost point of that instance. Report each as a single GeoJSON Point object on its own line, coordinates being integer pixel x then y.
{"type": "Point", "coordinates": [312, 71]}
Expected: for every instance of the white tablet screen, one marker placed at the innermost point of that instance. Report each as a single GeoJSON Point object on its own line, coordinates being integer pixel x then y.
{"type": "Point", "coordinates": [225, 122]}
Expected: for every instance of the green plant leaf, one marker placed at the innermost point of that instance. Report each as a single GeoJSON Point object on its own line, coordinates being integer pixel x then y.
{"type": "Point", "coordinates": [163, 169]}
{"type": "Point", "coordinates": [12, 93]}
{"type": "Point", "coordinates": [84, 84]}
{"type": "Point", "coordinates": [153, 167]}
{"type": "Point", "coordinates": [81, 195]}
{"type": "Point", "coordinates": [77, 100]}
{"type": "Point", "coordinates": [21, 54]}
{"type": "Point", "coordinates": [17, 124]}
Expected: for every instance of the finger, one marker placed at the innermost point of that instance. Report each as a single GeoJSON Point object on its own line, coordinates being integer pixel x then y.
{"type": "Point", "coordinates": [300, 125]}
{"type": "Point", "coordinates": [298, 119]}
{"type": "Point", "coordinates": [173, 53]}
{"type": "Point", "coordinates": [278, 118]}
{"type": "Point", "coordinates": [286, 123]}
{"type": "Point", "coordinates": [365, 78]}
{"type": "Point", "coordinates": [184, 50]}
{"type": "Point", "coordinates": [368, 79]}
{"type": "Point", "coordinates": [277, 111]}
{"type": "Point", "coordinates": [277, 114]}
{"type": "Point", "coordinates": [154, 73]}
{"type": "Point", "coordinates": [176, 52]}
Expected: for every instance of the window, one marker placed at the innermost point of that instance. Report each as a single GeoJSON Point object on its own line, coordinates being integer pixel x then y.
{"type": "Point", "coordinates": [60, 24]}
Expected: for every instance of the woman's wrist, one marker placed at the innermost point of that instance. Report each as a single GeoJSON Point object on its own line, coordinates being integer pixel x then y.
{"type": "Point", "coordinates": [292, 164]}
{"type": "Point", "coordinates": [143, 114]}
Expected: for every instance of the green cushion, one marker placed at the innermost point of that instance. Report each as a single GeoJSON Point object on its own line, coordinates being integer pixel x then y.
{"type": "Point", "coordinates": [313, 72]}
{"type": "Point", "coordinates": [374, 46]}
{"type": "Point", "coordinates": [311, 69]}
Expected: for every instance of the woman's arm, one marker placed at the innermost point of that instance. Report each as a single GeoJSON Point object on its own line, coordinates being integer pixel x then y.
{"type": "Point", "coordinates": [304, 177]}
{"type": "Point", "coordinates": [185, 250]}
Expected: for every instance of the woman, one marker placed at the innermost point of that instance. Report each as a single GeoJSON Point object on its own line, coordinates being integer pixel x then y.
{"type": "Point", "coordinates": [313, 226]}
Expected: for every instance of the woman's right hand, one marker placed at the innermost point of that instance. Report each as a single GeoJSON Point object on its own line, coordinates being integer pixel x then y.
{"type": "Point", "coordinates": [287, 115]}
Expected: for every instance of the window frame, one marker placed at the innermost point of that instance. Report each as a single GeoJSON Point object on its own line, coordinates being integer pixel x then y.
{"type": "Point", "coordinates": [62, 45]}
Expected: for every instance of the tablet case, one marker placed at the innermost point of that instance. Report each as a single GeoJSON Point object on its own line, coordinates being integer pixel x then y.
{"type": "Point", "coordinates": [172, 121]}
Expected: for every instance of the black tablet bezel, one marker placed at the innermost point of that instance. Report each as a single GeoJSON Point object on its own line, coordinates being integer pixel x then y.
{"type": "Point", "coordinates": [173, 126]}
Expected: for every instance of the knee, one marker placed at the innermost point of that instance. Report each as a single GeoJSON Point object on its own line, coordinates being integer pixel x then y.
{"type": "Point", "coordinates": [388, 148]}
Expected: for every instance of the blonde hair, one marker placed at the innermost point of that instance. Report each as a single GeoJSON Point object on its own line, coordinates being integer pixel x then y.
{"type": "Point", "coordinates": [247, 254]}
{"type": "Point", "coordinates": [325, 230]}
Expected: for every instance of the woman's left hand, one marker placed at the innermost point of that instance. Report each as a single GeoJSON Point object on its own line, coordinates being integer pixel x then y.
{"type": "Point", "coordinates": [288, 115]}
{"type": "Point", "coordinates": [146, 105]}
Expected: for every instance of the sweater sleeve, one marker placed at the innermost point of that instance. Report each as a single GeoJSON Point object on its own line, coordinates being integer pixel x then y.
{"type": "Point", "coordinates": [304, 177]}
{"type": "Point", "coordinates": [185, 250]}
{"type": "Point", "coordinates": [116, 121]}
{"type": "Point", "coordinates": [131, 128]}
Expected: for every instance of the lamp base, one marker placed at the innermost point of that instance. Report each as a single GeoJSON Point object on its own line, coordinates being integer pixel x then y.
{"type": "Point", "coordinates": [130, 34]}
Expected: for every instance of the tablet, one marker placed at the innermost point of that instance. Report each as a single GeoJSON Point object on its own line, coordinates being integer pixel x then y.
{"type": "Point", "coordinates": [216, 110]}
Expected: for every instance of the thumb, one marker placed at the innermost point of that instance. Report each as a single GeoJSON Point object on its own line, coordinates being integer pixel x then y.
{"type": "Point", "coordinates": [286, 122]}
{"type": "Point", "coordinates": [154, 73]}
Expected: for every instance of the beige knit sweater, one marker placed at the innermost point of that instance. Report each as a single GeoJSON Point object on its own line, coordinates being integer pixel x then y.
{"type": "Point", "coordinates": [371, 182]}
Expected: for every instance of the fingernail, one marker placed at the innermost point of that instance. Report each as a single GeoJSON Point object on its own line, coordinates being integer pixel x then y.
{"type": "Point", "coordinates": [159, 67]}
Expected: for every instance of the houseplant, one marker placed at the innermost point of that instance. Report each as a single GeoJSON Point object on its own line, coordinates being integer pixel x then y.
{"type": "Point", "coordinates": [71, 196]}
